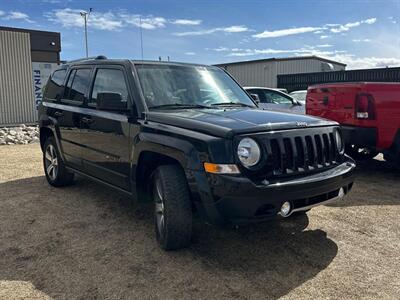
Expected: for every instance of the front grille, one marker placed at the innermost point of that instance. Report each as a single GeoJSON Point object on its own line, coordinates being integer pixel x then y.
{"type": "Point", "coordinates": [295, 152]}
{"type": "Point", "coordinates": [301, 153]}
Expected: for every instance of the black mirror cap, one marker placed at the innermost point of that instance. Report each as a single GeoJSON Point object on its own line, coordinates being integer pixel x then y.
{"type": "Point", "coordinates": [111, 101]}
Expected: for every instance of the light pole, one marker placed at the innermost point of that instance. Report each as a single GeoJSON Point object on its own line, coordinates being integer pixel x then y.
{"type": "Point", "coordinates": [85, 16]}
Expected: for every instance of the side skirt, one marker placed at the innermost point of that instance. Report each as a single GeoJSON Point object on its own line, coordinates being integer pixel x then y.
{"type": "Point", "coordinates": [99, 181]}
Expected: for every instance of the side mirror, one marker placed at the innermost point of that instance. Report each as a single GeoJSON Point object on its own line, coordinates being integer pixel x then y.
{"type": "Point", "coordinates": [255, 98]}
{"type": "Point", "coordinates": [111, 101]}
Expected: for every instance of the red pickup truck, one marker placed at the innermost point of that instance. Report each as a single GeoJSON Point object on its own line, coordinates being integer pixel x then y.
{"type": "Point", "coordinates": [369, 113]}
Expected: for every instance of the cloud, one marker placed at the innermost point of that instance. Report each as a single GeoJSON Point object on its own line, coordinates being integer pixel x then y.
{"type": "Point", "coordinates": [324, 46]}
{"type": "Point", "coordinates": [16, 15]}
{"type": "Point", "coordinates": [2, 13]}
{"type": "Point", "coordinates": [230, 29]}
{"type": "Point", "coordinates": [69, 18]}
{"type": "Point", "coordinates": [308, 50]}
{"type": "Point", "coordinates": [346, 27]}
{"type": "Point", "coordinates": [361, 40]}
{"type": "Point", "coordinates": [369, 21]}
{"type": "Point", "coordinates": [354, 62]}
{"type": "Point", "coordinates": [148, 22]}
{"type": "Point", "coordinates": [190, 53]}
{"type": "Point", "coordinates": [335, 28]}
{"type": "Point", "coordinates": [324, 37]}
{"type": "Point", "coordinates": [285, 32]}
{"type": "Point", "coordinates": [186, 22]}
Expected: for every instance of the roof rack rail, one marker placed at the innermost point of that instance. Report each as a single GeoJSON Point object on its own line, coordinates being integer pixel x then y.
{"type": "Point", "coordinates": [86, 58]}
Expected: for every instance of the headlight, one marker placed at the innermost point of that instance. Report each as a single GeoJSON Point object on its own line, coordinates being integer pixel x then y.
{"type": "Point", "coordinates": [248, 152]}
{"type": "Point", "coordinates": [339, 142]}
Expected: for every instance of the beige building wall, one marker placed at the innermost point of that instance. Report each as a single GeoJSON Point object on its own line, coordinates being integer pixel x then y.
{"type": "Point", "coordinates": [17, 104]}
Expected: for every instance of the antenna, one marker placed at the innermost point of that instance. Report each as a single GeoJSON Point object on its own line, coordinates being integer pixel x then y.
{"type": "Point", "coordinates": [141, 35]}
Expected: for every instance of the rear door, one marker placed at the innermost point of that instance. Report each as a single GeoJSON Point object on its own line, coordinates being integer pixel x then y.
{"type": "Point", "coordinates": [69, 114]}
{"type": "Point", "coordinates": [106, 134]}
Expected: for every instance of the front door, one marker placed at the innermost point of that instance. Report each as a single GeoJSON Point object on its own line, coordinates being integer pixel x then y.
{"type": "Point", "coordinates": [106, 135]}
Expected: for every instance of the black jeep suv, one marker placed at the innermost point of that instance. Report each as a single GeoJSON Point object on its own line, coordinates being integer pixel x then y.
{"type": "Point", "coordinates": [189, 138]}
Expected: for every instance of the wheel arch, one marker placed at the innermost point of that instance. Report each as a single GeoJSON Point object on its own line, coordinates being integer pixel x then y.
{"type": "Point", "coordinates": [152, 151]}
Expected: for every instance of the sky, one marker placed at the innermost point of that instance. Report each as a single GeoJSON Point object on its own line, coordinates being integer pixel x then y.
{"type": "Point", "coordinates": [362, 34]}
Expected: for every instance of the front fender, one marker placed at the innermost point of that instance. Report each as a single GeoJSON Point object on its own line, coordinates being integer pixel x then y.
{"type": "Point", "coordinates": [181, 150]}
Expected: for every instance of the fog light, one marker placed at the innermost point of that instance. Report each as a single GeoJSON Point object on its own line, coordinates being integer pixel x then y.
{"type": "Point", "coordinates": [285, 209]}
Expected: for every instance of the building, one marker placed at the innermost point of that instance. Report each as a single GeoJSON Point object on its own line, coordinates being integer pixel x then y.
{"type": "Point", "coordinates": [27, 58]}
{"type": "Point", "coordinates": [264, 72]}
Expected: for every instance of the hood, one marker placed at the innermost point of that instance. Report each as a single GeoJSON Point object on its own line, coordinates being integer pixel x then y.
{"type": "Point", "coordinates": [228, 122]}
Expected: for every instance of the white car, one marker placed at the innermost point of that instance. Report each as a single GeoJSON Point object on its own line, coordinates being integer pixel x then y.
{"type": "Point", "coordinates": [300, 96]}
{"type": "Point", "coordinates": [274, 99]}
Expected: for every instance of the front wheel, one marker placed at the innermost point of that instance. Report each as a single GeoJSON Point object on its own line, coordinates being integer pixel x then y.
{"type": "Point", "coordinates": [172, 208]}
{"type": "Point", "coordinates": [360, 154]}
{"type": "Point", "coordinates": [56, 173]}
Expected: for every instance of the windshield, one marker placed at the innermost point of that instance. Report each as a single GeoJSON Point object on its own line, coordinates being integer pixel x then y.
{"type": "Point", "coordinates": [189, 86]}
{"type": "Point", "coordinates": [299, 96]}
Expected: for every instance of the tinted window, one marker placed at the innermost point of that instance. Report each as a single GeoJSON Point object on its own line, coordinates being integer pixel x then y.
{"type": "Point", "coordinates": [69, 84]}
{"type": "Point", "coordinates": [55, 84]}
{"type": "Point", "coordinates": [109, 81]}
{"type": "Point", "coordinates": [80, 85]}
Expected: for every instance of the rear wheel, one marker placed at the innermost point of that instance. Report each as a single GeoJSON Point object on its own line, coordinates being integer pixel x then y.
{"type": "Point", "coordinates": [358, 153]}
{"type": "Point", "coordinates": [56, 173]}
{"type": "Point", "coordinates": [172, 208]}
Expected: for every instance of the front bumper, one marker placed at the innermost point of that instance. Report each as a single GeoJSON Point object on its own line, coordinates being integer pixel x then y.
{"type": "Point", "coordinates": [237, 200]}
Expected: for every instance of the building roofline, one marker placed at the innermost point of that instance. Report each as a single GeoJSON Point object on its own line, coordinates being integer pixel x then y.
{"type": "Point", "coordinates": [16, 29]}
{"type": "Point", "coordinates": [280, 59]}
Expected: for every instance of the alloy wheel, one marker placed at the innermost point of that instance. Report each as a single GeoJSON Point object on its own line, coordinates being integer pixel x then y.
{"type": "Point", "coordinates": [51, 161]}
{"type": "Point", "coordinates": [159, 207]}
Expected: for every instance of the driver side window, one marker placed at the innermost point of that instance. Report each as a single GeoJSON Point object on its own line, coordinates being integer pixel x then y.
{"type": "Point", "coordinates": [109, 81]}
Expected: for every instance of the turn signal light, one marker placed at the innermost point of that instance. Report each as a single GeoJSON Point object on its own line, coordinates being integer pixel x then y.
{"type": "Point", "coordinates": [221, 168]}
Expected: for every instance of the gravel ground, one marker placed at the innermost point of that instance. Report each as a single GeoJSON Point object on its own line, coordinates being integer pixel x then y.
{"type": "Point", "coordinates": [89, 242]}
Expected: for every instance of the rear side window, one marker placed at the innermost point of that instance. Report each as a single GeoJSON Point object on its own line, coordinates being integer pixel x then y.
{"type": "Point", "coordinates": [54, 86]}
{"type": "Point", "coordinates": [78, 85]}
{"type": "Point", "coordinates": [109, 81]}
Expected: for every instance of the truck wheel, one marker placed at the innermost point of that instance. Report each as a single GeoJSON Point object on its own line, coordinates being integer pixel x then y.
{"type": "Point", "coordinates": [172, 208]}
{"type": "Point", "coordinates": [358, 153]}
{"type": "Point", "coordinates": [393, 157]}
{"type": "Point", "coordinates": [56, 173]}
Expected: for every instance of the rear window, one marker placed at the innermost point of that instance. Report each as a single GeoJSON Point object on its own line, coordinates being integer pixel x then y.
{"type": "Point", "coordinates": [78, 85]}
{"type": "Point", "coordinates": [54, 87]}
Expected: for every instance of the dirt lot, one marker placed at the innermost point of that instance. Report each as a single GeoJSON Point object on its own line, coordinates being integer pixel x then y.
{"type": "Point", "coordinates": [88, 242]}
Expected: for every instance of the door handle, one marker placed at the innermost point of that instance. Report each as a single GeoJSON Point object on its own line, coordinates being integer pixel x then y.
{"type": "Point", "coordinates": [87, 120]}
{"type": "Point", "coordinates": [59, 114]}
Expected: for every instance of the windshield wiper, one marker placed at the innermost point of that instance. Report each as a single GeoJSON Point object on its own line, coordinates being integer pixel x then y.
{"type": "Point", "coordinates": [179, 105]}
{"type": "Point", "coordinates": [231, 104]}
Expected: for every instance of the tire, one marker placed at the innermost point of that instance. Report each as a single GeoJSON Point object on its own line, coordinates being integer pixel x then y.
{"type": "Point", "coordinates": [56, 173]}
{"type": "Point", "coordinates": [360, 154]}
{"type": "Point", "coordinates": [172, 208]}
{"type": "Point", "coordinates": [393, 157]}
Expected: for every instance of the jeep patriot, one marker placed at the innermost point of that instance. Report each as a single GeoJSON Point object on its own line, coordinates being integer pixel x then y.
{"type": "Point", "coordinates": [190, 139]}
